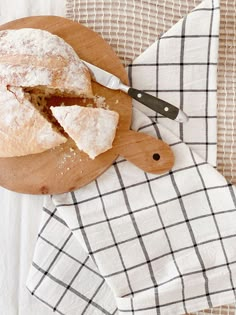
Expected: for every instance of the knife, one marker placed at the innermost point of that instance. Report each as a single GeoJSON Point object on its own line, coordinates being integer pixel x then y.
{"type": "Point", "coordinates": [112, 82]}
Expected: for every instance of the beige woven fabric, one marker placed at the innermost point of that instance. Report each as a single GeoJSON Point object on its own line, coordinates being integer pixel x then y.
{"type": "Point", "coordinates": [222, 310]}
{"type": "Point", "coordinates": [131, 26]}
{"type": "Point", "coordinates": [227, 91]}
{"type": "Point", "coordinates": [140, 21]}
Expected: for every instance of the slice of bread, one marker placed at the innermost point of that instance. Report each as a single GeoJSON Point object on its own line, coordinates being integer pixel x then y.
{"type": "Point", "coordinates": [23, 130]}
{"type": "Point", "coordinates": [40, 61]}
{"type": "Point", "coordinates": [92, 129]}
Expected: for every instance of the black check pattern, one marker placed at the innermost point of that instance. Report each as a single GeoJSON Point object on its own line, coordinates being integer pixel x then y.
{"type": "Point", "coordinates": [182, 67]}
{"type": "Point", "coordinates": [137, 243]}
{"type": "Point", "coordinates": [63, 276]}
{"type": "Point", "coordinates": [158, 240]}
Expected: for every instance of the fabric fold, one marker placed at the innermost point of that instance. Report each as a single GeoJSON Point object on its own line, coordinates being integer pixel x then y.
{"type": "Point", "coordinates": [62, 275]}
{"type": "Point", "coordinates": [181, 68]}
{"type": "Point", "coordinates": [160, 242]}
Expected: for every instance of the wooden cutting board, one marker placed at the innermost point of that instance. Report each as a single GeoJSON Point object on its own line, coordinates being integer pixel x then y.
{"type": "Point", "coordinates": [65, 168]}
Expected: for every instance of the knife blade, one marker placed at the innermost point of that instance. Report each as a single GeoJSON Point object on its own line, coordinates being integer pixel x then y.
{"type": "Point", "coordinates": [113, 82]}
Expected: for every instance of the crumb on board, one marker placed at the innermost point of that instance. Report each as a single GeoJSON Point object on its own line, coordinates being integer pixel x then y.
{"type": "Point", "coordinates": [100, 101]}
{"type": "Point", "coordinates": [65, 157]}
{"type": "Point", "coordinates": [117, 101]}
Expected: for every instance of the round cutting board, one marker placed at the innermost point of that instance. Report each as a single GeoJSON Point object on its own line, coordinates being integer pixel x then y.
{"type": "Point", "coordinates": [65, 168]}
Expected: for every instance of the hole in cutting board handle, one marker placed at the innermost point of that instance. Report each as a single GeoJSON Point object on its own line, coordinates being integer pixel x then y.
{"type": "Point", "coordinates": [150, 154]}
{"type": "Point", "coordinates": [156, 157]}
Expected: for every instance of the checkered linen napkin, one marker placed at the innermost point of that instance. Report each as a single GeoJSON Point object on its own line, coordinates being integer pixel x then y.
{"type": "Point", "coordinates": [137, 243]}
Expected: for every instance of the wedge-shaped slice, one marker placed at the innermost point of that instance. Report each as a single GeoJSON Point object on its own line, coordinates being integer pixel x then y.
{"type": "Point", "coordinates": [92, 129]}
{"type": "Point", "coordinates": [38, 60]}
{"type": "Point", "coordinates": [23, 130]}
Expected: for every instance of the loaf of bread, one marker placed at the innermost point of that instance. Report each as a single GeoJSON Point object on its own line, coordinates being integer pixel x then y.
{"type": "Point", "coordinates": [35, 63]}
{"type": "Point", "coordinates": [92, 129]}
{"type": "Point", "coordinates": [40, 61]}
{"type": "Point", "coordinates": [23, 130]}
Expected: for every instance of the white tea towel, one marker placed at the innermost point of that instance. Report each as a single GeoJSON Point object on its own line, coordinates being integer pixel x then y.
{"type": "Point", "coordinates": [181, 68]}
{"type": "Point", "coordinates": [136, 243]}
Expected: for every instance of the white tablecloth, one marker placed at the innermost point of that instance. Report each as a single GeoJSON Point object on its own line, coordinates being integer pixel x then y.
{"type": "Point", "coordinates": [15, 9]}
{"type": "Point", "coordinates": [20, 214]}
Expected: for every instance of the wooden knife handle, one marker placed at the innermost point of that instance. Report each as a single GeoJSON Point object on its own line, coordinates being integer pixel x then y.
{"type": "Point", "coordinates": [146, 152]}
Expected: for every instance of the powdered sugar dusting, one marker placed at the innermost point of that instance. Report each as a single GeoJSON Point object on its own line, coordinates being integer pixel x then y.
{"type": "Point", "coordinates": [34, 77]}
{"type": "Point", "coordinates": [11, 116]}
{"type": "Point", "coordinates": [33, 42]}
{"type": "Point", "coordinates": [37, 61]}
{"type": "Point", "coordinates": [23, 129]}
{"type": "Point", "coordinates": [32, 57]}
{"type": "Point", "coordinates": [47, 137]}
{"type": "Point", "coordinates": [88, 127]}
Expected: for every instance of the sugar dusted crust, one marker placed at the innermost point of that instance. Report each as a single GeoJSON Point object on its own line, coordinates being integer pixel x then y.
{"type": "Point", "coordinates": [36, 58]}
{"type": "Point", "coordinates": [34, 62]}
{"type": "Point", "coordinates": [37, 63]}
{"type": "Point", "coordinates": [92, 129]}
{"type": "Point", "coordinates": [23, 130]}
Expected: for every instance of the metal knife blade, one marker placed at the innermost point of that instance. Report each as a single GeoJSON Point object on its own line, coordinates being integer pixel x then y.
{"type": "Point", "coordinates": [113, 82]}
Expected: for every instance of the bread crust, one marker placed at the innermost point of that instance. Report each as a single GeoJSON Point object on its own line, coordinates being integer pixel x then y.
{"type": "Point", "coordinates": [34, 61]}
{"type": "Point", "coordinates": [92, 129]}
{"type": "Point", "coordinates": [23, 130]}
{"type": "Point", "coordinates": [32, 58]}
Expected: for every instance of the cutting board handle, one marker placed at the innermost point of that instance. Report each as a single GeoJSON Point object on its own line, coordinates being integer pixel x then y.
{"type": "Point", "coordinates": [150, 154]}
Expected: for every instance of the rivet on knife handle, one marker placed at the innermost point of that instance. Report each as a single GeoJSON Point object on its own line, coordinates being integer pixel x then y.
{"type": "Point", "coordinates": [157, 104]}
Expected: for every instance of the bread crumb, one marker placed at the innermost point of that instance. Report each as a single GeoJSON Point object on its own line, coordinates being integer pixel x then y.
{"type": "Point", "coordinates": [100, 102]}
{"type": "Point", "coordinates": [117, 101]}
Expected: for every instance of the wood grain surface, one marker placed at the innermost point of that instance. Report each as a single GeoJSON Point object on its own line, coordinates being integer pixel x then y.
{"type": "Point", "coordinates": [65, 168]}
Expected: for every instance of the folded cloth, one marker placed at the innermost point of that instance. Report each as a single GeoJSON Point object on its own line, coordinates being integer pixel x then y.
{"type": "Point", "coordinates": [181, 68]}
{"type": "Point", "coordinates": [137, 243]}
